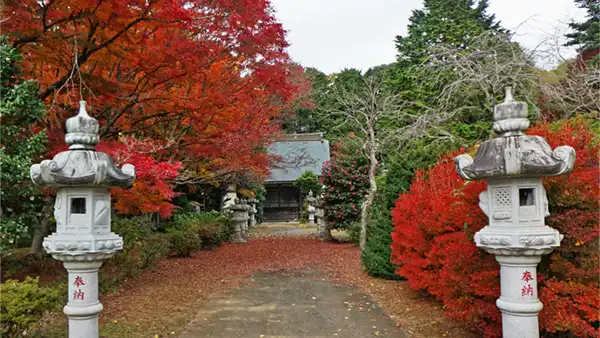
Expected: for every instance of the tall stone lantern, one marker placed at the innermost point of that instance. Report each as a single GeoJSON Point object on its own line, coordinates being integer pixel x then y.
{"type": "Point", "coordinates": [82, 210]}
{"type": "Point", "coordinates": [515, 202]}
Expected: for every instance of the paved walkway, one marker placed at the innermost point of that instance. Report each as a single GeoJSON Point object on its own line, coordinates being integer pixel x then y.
{"type": "Point", "coordinates": [284, 229]}
{"type": "Point", "coordinates": [299, 304]}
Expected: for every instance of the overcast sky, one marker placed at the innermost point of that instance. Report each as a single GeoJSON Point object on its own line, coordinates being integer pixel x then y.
{"type": "Point", "coordinates": [335, 34]}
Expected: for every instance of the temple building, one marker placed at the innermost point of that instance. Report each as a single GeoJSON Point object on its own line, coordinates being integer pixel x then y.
{"type": "Point", "coordinates": [297, 153]}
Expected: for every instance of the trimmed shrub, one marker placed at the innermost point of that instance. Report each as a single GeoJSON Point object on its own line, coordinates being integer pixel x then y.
{"type": "Point", "coordinates": [155, 248]}
{"type": "Point", "coordinates": [376, 255]}
{"type": "Point", "coordinates": [24, 303]}
{"type": "Point", "coordinates": [183, 242]}
{"type": "Point", "coordinates": [433, 244]}
{"type": "Point", "coordinates": [212, 227]}
{"type": "Point", "coordinates": [134, 230]}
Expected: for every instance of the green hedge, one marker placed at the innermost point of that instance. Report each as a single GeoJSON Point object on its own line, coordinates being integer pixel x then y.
{"type": "Point", "coordinates": [376, 255]}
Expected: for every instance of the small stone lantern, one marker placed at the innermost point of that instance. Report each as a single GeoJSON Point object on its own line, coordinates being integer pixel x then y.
{"type": "Point", "coordinates": [515, 202]}
{"type": "Point", "coordinates": [311, 208]}
{"type": "Point", "coordinates": [252, 212]}
{"type": "Point", "coordinates": [82, 210]}
{"type": "Point", "coordinates": [240, 221]}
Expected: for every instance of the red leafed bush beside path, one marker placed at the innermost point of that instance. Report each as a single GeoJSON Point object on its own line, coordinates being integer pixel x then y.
{"type": "Point", "coordinates": [435, 221]}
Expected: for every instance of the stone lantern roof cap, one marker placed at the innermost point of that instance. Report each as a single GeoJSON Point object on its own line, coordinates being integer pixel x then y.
{"type": "Point", "coordinates": [513, 153]}
{"type": "Point", "coordinates": [81, 165]}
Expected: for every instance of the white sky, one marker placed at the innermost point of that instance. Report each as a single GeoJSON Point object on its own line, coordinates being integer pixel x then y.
{"type": "Point", "coordinates": [334, 34]}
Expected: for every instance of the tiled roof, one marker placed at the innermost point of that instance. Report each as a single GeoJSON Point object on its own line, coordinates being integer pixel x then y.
{"type": "Point", "coordinates": [298, 152]}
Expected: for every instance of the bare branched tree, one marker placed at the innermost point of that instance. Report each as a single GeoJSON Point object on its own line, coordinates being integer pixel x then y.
{"type": "Point", "coordinates": [491, 63]}
{"type": "Point", "coordinates": [471, 79]}
{"type": "Point", "coordinates": [370, 109]}
{"type": "Point", "coordinates": [574, 90]}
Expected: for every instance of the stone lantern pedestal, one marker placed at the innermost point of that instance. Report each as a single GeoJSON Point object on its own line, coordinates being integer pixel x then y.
{"type": "Point", "coordinates": [83, 239]}
{"type": "Point", "coordinates": [515, 202]}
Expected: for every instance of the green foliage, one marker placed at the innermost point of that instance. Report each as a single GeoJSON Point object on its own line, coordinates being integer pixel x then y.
{"type": "Point", "coordinates": [307, 119]}
{"type": "Point", "coordinates": [261, 196]}
{"type": "Point", "coordinates": [134, 230]}
{"type": "Point", "coordinates": [308, 181]}
{"type": "Point", "coordinates": [12, 230]}
{"type": "Point", "coordinates": [451, 22]}
{"type": "Point", "coordinates": [323, 96]}
{"type": "Point", "coordinates": [191, 231]}
{"type": "Point", "coordinates": [376, 255]}
{"type": "Point", "coordinates": [183, 242]}
{"type": "Point", "coordinates": [211, 227]}
{"type": "Point", "coordinates": [586, 35]}
{"type": "Point", "coordinates": [155, 248]}
{"type": "Point", "coordinates": [24, 303]}
{"type": "Point", "coordinates": [401, 167]}
{"type": "Point", "coordinates": [21, 143]}
{"type": "Point", "coordinates": [354, 233]}
{"type": "Point", "coordinates": [345, 180]}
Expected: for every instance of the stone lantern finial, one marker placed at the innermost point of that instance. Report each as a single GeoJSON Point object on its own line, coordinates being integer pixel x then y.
{"type": "Point", "coordinates": [510, 117]}
{"type": "Point", "coordinates": [82, 130]}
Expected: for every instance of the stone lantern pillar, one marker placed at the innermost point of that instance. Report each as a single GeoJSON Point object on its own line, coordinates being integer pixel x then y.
{"type": "Point", "coordinates": [82, 210]}
{"type": "Point", "coordinates": [515, 202]}
{"type": "Point", "coordinates": [240, 221]}
{"type": "Point", "coordinates": [311, 208]}
{"type": "Point", "coordinates": [252, 211]}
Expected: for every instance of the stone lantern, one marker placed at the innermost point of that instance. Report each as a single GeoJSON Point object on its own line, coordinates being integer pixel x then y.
{"type": "Point", "coordinates": [252, 211]}
{"type": "Point", "coordinates": [82, 210]}
{"type": "Point", "coordinates": [515, 202]}
{"type": "Point", "coordinates": [311, 208]}
{"type": "Point", "coordinates": [240, 221]}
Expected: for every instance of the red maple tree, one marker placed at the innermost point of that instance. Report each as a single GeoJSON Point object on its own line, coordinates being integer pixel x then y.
{"type": "Point", "coordinates": [207, 80]}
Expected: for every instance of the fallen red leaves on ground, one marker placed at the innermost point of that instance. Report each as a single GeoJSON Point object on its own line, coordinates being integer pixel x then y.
{"type": "Point", "coordinates": [167, 298]}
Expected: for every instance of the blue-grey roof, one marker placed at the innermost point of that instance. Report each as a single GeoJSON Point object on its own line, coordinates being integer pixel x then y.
{"type": "Point", "coordinates": [299, 153]}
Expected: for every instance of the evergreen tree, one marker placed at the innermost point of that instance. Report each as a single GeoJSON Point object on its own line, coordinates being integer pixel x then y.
{"type": "Point", "coordinates": [20, 145]}
{"type": "Point", "coordinates": [306, 119]}
{"type": "Point", "coordinates": [376, 256]}
{"type": "Point", "coordinates": [586, 35]}
{"type": "Point", "coordinates": [323, 92]}
{"type": "Point", "coordinates": [452, 22]}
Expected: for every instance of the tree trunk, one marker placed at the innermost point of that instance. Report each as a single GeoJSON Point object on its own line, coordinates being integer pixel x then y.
{"type": "Point", "coordinates": [42, 230]}
{"type": "Point", "coordinates": [364, 213]}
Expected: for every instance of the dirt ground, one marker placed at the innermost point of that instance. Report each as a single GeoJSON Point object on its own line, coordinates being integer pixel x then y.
{"type": "Point", "coordinates": [265, 288]}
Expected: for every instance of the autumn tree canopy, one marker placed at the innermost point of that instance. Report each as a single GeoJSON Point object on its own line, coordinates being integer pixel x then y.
{"type": "Point", "coordinates": [205, 79]}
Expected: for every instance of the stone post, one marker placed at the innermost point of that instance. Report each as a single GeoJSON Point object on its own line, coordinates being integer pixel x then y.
{"type": "Point", "coordinates": [252, 212]}
{"type": "Point", "coordinates": [82, 210]}
{"type": "Point", "coordinates": [515, 202]}
{"type": "Point", "coordinates": [240, 221]}
{"type": "Point", "coordinates": [311, 208]}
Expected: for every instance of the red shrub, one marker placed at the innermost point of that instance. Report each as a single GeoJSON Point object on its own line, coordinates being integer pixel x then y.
{"type": "Point", "coordinates": [433, 241]}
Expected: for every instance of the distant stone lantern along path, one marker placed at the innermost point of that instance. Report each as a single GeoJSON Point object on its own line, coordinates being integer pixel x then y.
{"type": "Point", "coordinates": [515, 202]}
{"type": "Point", "coordinates": [83, 239]}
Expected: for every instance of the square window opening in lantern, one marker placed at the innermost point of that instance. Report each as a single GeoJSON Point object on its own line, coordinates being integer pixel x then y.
{"type": "Point", "coordinates": [526, 197]}
{"type": "Point", "coordinates": [78, 205]}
